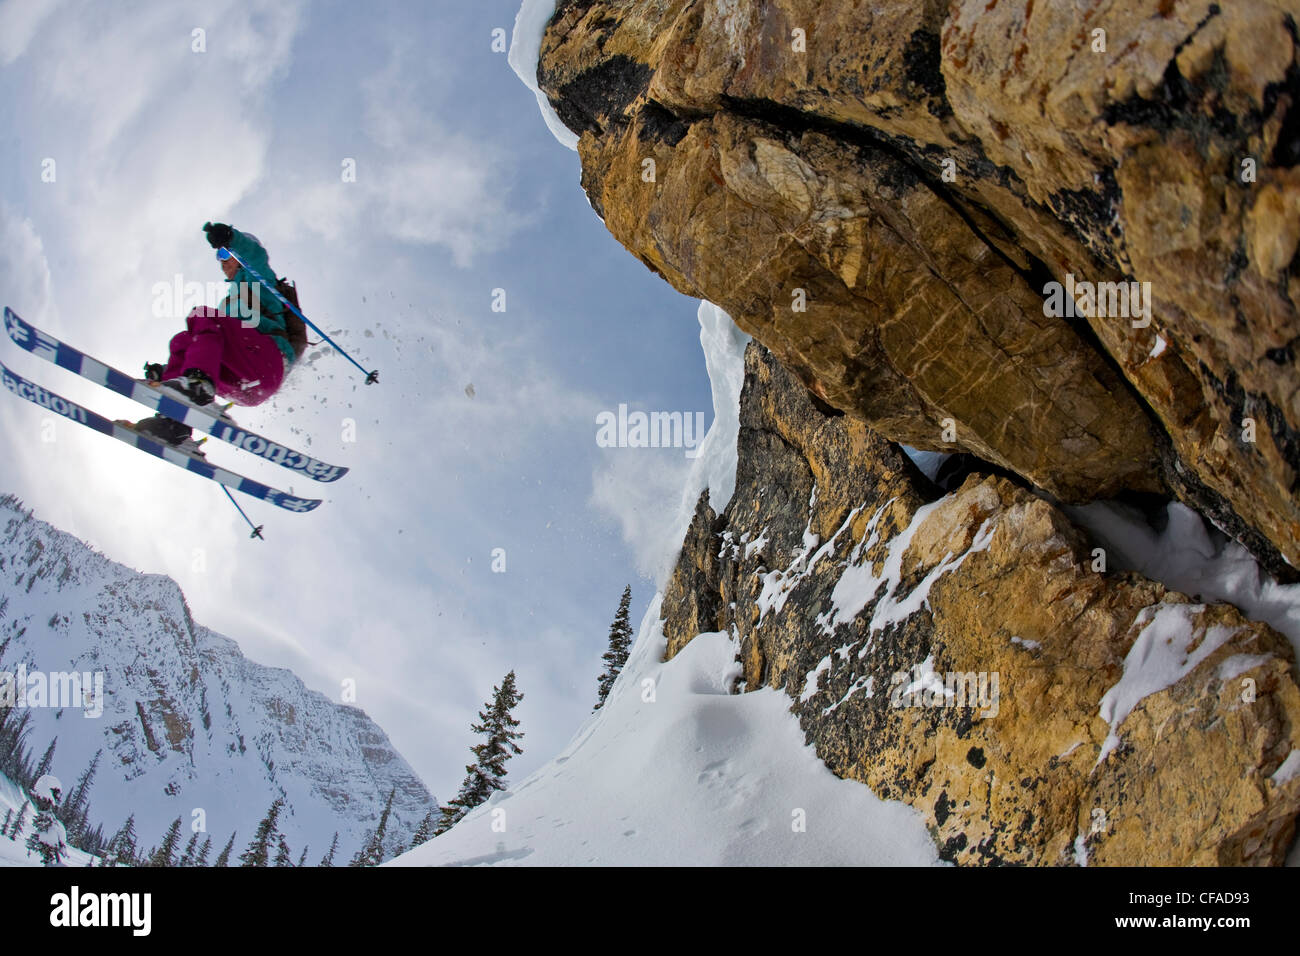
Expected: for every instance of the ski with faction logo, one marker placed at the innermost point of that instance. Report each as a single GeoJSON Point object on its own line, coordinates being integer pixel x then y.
{"type": "Point", "coordinates": [191, 461]}
{"type": "Point", "coordinates": [165, 401]}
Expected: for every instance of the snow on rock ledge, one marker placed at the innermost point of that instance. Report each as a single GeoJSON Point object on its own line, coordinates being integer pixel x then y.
{"type": "Point", "coordinates": [960, 653]}
{"type": "Point", "coordinates": [525, 48]}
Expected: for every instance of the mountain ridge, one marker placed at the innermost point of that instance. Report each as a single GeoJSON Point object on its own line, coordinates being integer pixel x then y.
{"type": "Point", "coordinates": [188, 722]}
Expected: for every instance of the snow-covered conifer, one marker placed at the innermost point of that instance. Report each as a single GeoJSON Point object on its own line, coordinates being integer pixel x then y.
{"type": "Point", "coordinates": [48, 837]}
{"type": "Point", "coordinates": [620, 642]}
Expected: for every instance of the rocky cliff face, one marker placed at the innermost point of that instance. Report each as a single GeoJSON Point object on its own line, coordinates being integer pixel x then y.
{"type": "Point", "coordinates": [965, 654]}
{"type": "Point", "coordinates": [884, 195]}
{"type": "Point", "coordinates": [184, 720]}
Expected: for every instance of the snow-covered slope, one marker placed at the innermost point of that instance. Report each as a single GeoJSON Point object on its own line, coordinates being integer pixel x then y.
{"type": "Point", "coordinates": [675, 768]}
{"type": "Point", "coordinates": [188, 723]}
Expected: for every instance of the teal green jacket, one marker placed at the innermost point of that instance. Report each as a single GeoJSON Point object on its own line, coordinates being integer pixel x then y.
{"type": "Point", "coordinates": [252, 252]}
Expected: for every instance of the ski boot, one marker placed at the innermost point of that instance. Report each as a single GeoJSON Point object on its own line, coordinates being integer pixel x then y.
{"type": "Point", "coordinates": [168, 431]}
{"type": "Point", "coordinates": [194, 385]}
{"type": "Point", "coordinates": [153, 377]}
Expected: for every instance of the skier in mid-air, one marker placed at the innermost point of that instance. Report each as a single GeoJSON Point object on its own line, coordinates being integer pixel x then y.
{"type": "Point", "coordinates": [240, 351]}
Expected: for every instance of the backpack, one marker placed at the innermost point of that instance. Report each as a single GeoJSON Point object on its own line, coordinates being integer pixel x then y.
{"type": "Point", "coordinates": [295, 329]}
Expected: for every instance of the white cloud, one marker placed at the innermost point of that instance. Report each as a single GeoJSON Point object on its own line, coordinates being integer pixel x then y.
{"type": "Point", "coordinates": [640, 489]}
{"type": "Point", "coordinates": [24, 269]}
{"type": "Point", "coordinates": [417, 181]}
{"type": "Point", "coordinates": [19, 21]}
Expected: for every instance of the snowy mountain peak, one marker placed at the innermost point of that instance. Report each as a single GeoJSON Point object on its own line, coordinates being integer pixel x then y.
{"type": "Point", "coordinates": [106, 658]}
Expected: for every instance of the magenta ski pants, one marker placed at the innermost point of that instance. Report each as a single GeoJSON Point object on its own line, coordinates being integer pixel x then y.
{"type": "Point", "coordinates": [246, 366]}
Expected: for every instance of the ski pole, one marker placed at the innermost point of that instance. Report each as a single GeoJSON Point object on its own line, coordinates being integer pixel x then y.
{"type": "Point", "coordinates": [224, 253]}
{"type": "Point", "coordinates": [257, 529]}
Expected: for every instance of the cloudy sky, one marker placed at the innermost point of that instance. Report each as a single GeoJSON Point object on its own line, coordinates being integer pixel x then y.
{"type": "Point", "coordinates": [482, 433]}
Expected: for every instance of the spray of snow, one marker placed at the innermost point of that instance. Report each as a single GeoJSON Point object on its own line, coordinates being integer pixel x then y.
{"type": "Point", "coordinates": [714, 467]}
{"type": "Point", "coordinates": [525, 49]}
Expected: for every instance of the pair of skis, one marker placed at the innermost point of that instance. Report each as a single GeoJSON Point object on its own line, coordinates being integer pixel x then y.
{"type": "Point", "coordinates": [167, 402]}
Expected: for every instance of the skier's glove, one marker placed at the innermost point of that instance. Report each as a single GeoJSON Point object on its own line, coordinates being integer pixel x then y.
{"type": "Point", "coordinates": [153, 372]}
{"type": "Point", "coordinates": [219, 234]}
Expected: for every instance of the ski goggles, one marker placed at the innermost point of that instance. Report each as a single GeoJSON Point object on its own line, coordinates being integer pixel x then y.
{"type": "Point", "coordinates": [223, 254]}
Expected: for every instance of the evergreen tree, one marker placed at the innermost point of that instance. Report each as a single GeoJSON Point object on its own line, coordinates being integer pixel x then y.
{"type": "Point", "coordinates": [165, 854]}
{"type": "Point", "coordinates": [424, 832]}
{"type": "Point", "coordinates": [259, 848]}
{"type": "Point", "coordinates": [9, 819]}
{"type": "Point", "coordinates": [223, 858]}
{"type": "Point", "coordinates": [75, 811]}
{"type": "Point", "coordinates": [282, 855]}
{"type": "Point", "coordinates": [202, 858]}
{"type": "Point", "coordinates": [328, 858]}
{"type": "Point", "coordinates": [92, 840]}
{"type": "Point", "coordinates": [43, 767]}
{"type": "Point", "coordinates": [20, 823]}
{"type": "Point", "coordinates": [620, 642]}
{"type": "Point", "coordinates": [121, 849]}
{"type": "Point", "coordinates": [187, 858]}
{"type": "Point", "coordinates": [15, 760]}
{"type": "Point", "coordinates": [302, 857]}
{"type": "Point", "coordinates": [448, 817]}
{"type": "Point", "coordinates": [372, 851]}
{"type": "Point", "coordinates": [48, 839]}
{"type": "Point", "coordinates": [487, 774]}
